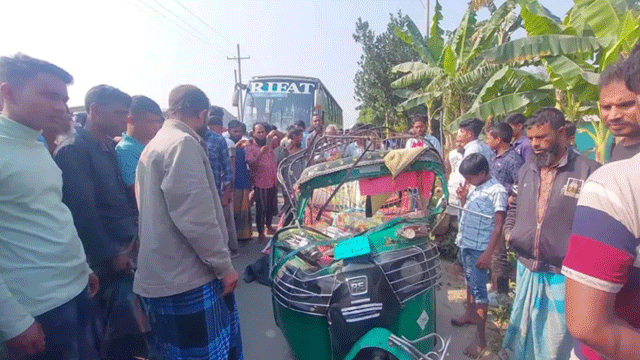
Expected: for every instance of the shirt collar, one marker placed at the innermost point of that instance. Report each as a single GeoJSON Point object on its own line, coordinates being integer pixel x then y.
{"type": "Point", "coordinates": [16, 130]}
{"type": "Point", "coordinates": [131, 140]}
{"type": "Point", "coordinates": [520, 140]}
{"type": "Point", "coordinates": [471, 143]}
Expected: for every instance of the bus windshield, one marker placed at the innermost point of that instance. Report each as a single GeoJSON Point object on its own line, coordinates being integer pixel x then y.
{"type": "Point", "coordinates": [279, 103]}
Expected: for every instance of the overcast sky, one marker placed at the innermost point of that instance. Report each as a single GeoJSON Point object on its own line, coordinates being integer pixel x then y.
{"type": "Point", "coordinates": [128, 44]}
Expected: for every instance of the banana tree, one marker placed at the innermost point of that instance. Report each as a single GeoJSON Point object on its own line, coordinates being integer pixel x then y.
{"type": "Point", "coordinates": [452, 71]}
{"type": "Point", "coordinates": [571, 52]}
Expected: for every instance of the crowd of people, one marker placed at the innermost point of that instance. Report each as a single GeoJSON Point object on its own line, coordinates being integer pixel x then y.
{"type": "Point", "coordinates": [118, 229]}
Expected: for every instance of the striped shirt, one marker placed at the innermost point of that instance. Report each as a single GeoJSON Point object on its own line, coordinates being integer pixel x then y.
{"type": "Point", "coordinates": [475, 230]}
{"type": "Point", "coordinates": [604, 250]}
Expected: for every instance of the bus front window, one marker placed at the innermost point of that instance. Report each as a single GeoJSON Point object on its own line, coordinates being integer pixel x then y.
{"type": "Point", "coordinates": [281, 109]}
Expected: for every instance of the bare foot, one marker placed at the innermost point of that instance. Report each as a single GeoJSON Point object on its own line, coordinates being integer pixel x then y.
{"type": "Point", "coordinates": [462, 320]}
{"type": "Point", "coordinates": [475, 349]}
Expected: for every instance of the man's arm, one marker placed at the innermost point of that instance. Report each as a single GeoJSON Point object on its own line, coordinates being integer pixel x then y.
{"type": "Point", "coordinates": [592, 321]}
{"type": "Point", "coordinates": [79, 195]}
{"type": "Point", "coordinates": [484, 261]}
{"type": "Point", "coordinates": [14, 319]}
{"type": "Point", "coordinates": [227, 173]}
{"type": "Point", "coordinates": [128, 163]}
{"type": "Point", "coordinates": [193, 208]}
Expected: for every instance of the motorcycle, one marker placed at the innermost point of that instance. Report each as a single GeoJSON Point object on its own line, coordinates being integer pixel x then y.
{"type": "Point", "coordinates": [352, 270]}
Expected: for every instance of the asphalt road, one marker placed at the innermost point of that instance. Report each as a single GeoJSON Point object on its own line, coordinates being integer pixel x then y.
{"type": "Point", "coordinates": [262, 339]}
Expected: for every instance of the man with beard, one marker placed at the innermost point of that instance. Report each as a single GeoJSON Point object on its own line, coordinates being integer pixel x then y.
{"type": "Point", "coordinates": [620, 109]}
{"type": "Point", "coordinates": [262, 163]}
{"type": "Point", "coordinates": [104, 212]}
{"type": "Point", "coordinates": [185, 272]}
{"type": "Point", "coordinates": [315, 131]}
{"type": "Point", "coordinates": [538, 228]}
{"type": "Point", "coordinates": [241, 183]}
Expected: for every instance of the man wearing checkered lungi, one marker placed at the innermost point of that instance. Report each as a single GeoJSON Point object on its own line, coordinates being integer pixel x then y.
{"type": "Point", "coordinates": [184, 270]}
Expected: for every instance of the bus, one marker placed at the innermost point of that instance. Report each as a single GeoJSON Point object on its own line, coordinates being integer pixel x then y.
{"type": "Point", "coordinates": [283, 100]}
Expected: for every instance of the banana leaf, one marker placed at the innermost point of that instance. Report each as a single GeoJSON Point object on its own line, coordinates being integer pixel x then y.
{"type": "Point", "coordinates": [537, 19]}
{"type": "Point", "coordinates": [535, 47]}
{"type": "Point", "coordinates": [417, 100]}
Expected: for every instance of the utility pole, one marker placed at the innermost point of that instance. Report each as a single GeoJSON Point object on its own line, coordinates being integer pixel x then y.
{"type": "Point", "coordinates": [239, 59]}
{"type": "Point", "coordinates": [238, 77]}
{"type": "Point", "coordinates": [428, 17]}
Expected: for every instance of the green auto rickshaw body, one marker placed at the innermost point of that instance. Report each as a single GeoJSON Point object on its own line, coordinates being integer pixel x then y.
{"type": "Point", "coordinates": [333, 304]}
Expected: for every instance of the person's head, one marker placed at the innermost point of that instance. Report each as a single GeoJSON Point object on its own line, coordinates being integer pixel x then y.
{"type": "Point", "coordinates": [517, 122]}
{"type": "Point", "coordinates": [145, 118]}
{"type": "Point", "coordinates": [317, 122]}
{"type": "Point", "coordinates": [632, 69]}
{"type": "Point", "coordinates": [300, 125]}
{"type": "Point", "coordinates": [34, 92]}
{"type": "Point", "coordinates": [260, 133]}
{"type": "Point", "coordinates": [236, 130]}
{"type": "Point", "coordinates": [619, 106]}
{"type": "Point", "coordinates": [570, 133]}
{"type": "Point", "coordinates": [470, 129]}
{"type": "Point", "coordinates": [189, 104]}
{"type": "Point", "coordinates": [475, 169]}
{"type": "Point", "coordinates": [215, 119]}
{"type": "Point", "coordinates": [546, 132]}
{"type": "Point", "coordinates": [295, 136]}
{"type": "Point", "coordinates": [459, 142]}
{"type": "Point", "coordinates": [499, 135]}
{"type": "Point", "coordinates": [107, 108]}
{"type": "Point", "coordinates": [80, 118]}
{"type": "Point", "coordinates": [332, 130]}
{"type": "Point", "coordinates": [420, 123]}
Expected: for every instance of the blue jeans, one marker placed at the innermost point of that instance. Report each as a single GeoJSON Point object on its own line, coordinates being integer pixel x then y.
{"type": "Point", "coordinates": [475, 277]}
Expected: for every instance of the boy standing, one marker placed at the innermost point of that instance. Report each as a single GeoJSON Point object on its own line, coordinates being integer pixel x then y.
{"type": "Point", "coordinates": [480, 231]}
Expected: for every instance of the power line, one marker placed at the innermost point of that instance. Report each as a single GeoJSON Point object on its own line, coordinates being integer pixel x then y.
{"type": "Point", "coordinates": [422, 2]}
{"type": "Point", "coordinates": [151, 15]}
{"type": "Point", "coordinates": [186, 22]}
{"type": "Point", "coordinates": [178, 25]}
{"type": "Point", "coordinates": [204, 22]}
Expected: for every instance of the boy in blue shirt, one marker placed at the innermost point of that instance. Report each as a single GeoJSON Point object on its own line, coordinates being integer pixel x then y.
{"type": "Point", "coordinates": [480, 231]}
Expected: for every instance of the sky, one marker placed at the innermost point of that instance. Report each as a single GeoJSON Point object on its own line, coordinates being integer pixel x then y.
{"type": "Point", "coordinates": [147, 47]}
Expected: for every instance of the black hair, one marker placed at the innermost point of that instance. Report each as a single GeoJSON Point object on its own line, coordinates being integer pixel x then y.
{"type": "Point", "coordinates": [474, 164]}
{"type": "Point", "coordinates": [293, 133]}
{"type": "Point", "coordinates": [233, 124]}
{"type": "Point", "coordinates": [80, 118]}
{"type": "Point", "coordinates": [473, 125]}
{"type": "Point", "coordinates": [264, 125]}
{"type": "Point", "coordinates": [515, 119]}
{"type": "Point", "coordinates": [300, 124]}
{"type": "Point", "coordinates": [20, 68]}
{"type": "Point", "coordinates": [632, 69]}
{"type": "Point", "coordinates": [420, 118]}
{"type": "Point", "coordinates": [552, 116]}
{"type": "Point", "coordinates": [106, 95]}
{"type": "Point", "coordinates": [141, 105]}
{"type": "Point", "coordinates": [188, 100]}
{"type": "Point", "coordinates": [570, 128]}
{"type": "Point", "coordinates": [613, 72]}
{"type": "Point", "coordinates": [216, 114]}
{"type": "Point", "coordinates": [501, 131]}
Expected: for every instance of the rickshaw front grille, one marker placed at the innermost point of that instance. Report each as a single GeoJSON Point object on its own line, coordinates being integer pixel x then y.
{"type": "Point", "coordinates": [307, 294]}
{"type": "Point", "coordinates": [410, 271]}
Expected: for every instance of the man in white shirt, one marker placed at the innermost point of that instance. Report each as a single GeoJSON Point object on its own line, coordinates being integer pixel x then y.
{"type": "Point", "coordinates": [419, 129]}
{"type": "Point", "coordinates": [469, 131]}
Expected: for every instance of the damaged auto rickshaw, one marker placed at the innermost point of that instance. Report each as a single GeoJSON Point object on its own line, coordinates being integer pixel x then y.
{"type": "Point", "coordinates": [353, 270]}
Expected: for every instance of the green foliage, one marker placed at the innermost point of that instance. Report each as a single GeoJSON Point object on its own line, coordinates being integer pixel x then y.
{"type": "Point", "coordinates": [381, 52]}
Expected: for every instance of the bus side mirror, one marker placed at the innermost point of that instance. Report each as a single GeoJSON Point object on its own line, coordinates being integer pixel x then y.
{"type": "Point", "coordinates": [320, 99]}
{"type": "Point", "coordinates": [235, 100]}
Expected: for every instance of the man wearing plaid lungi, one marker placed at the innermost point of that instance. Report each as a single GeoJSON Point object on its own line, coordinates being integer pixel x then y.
{"type": "Point", "coordinates": [184, 268]}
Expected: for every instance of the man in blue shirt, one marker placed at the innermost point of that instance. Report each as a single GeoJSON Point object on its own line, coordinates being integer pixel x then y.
{"type": "Point", "coordinates": [480, 231]}
{"type": "Point", "coordinates": [504, 168]}
{"type": "Point", "coordinates": [521, 143]}
{"type": "Point", "coordinates": [105, 214]}
{"type": "Point", "coordinates": [45, 308]}
{"type": "Point", "coordinates": [144, 121]}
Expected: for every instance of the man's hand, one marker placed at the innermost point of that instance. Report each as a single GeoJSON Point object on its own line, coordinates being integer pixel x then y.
{"type": "Point", "coordinates": [484, 261]}
{"type": "Point", "coordinates": [462, 192]}
{"type": "Point", "coordinates": [264, 149]}
{"type": "Point", "coordinates": [122, 263]}
{"type": "Point", "coordinates": [227, 197]}
{"type": "Point", "coordinates": [230, 281]}
{"type": "Point", "coordinates": [29, 343]}
{"type": "Point", "coordinates": [242, 143]}
{"type": "Point", "coordinates": [94, 284]}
